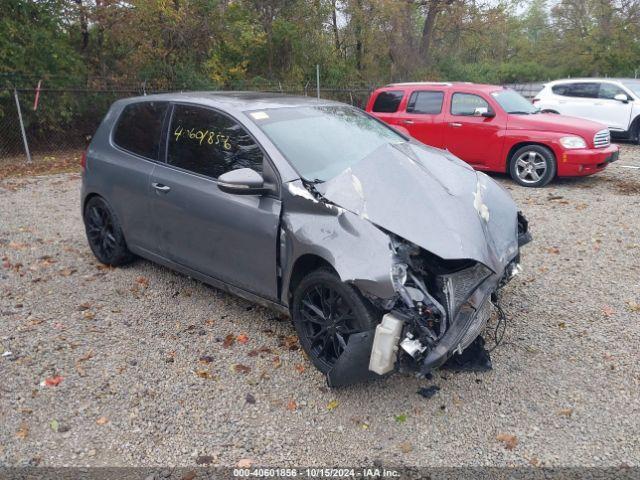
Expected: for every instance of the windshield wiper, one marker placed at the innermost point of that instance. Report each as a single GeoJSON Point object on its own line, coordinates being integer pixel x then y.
{"type": "Point", "coordinates": [517, 112]}
{"type": "Point", "coordinates": [314, 181]}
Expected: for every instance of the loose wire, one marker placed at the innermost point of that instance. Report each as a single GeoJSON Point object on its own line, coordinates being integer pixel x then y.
{"type": "Point", "coordinates": [501, 325]}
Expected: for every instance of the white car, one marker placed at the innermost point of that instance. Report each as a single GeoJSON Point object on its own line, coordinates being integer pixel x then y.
{"type": "Point", "coordinates": [612, 101]}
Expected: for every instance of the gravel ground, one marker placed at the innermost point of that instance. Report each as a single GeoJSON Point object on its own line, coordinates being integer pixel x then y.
{"type": "Point", "coordinates": [149, 377]}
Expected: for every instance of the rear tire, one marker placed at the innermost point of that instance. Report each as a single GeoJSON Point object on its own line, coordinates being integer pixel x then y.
{"type": "Point", "coordinates": [326, 311]}
{"type": "Point", "coordinates": [532, 166]}
{"type": "Point", "coordinates": [104, 233]}
{"type": "Point", "coordinates": [635, 132]}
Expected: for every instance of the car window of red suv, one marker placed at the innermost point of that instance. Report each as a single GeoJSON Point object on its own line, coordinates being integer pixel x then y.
{"type": "Point", "coordinates": [426, 102]}
{"type": "Point", "coordinates": [388, 102]}
{"type": "Point", "coordinates": [465, 104]}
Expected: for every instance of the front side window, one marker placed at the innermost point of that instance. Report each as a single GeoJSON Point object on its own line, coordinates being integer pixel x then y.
{"type": "Point", "coordinates": [139, 128]}
{"type": "Point", "coordinates": [425, 102]}
{"type": "Point", "coordinates": [609, 91]}
{"type": "Point", "coordinates": [209, 143]}
{"type": "Point", "coordinates": [467, 104]}
{"type": "Point", "coordinates": [321, 142]}
{"type": "Point", "coordinates": [388, 102]}
{"type": "Point", "coordinates": [514, 103]}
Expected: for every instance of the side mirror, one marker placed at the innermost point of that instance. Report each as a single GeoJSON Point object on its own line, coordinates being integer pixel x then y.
{"type": "Point", "coordinates": [243, 181]}
{"type": "Point", "coordinates": [621, 97]}
{"type": "Point", "coordinates": [483, 112]}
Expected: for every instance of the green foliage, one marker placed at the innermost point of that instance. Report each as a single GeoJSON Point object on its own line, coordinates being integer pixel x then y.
{"type": "Point", "coordinates": [33, 40]}
{"type": "Point", "coordinates": [229, 44]}
{"type": "Point", "coordinates": [276, 44]}
{"type": "Point", "coordinates": [239, 44]}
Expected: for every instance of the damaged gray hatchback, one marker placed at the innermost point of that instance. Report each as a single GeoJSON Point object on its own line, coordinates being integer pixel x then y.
{"type": "Point", "coordinates": [385, 252]}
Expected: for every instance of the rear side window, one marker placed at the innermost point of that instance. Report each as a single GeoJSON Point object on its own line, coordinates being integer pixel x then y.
{"type": "Point", "coordinates": [388, 102]}
{"type": "Point", "coordinates": [577, 89]}
{"type": "Point", "coordinates": [561, 89]}
{"type": "Point", "coordinates": [467, 103]}
{"type": "Point", "coordinates": [204, 141]}
{"type": "Point", "coordinates": [139, 128]}
{"type": "Point", "coordinates": [425, 102]}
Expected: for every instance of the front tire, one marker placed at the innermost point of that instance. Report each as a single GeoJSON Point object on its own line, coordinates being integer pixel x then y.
{"type": "Point", "coordinates": [326, 312]}
{"type": "Point", "coordinates": [532, 166]}
{"type": "Point", "coordinates": [104, 233]}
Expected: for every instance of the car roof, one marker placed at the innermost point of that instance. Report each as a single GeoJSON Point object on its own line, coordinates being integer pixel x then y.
{"type": "Point", "coordinates": [484, 87]}
{"type": "Point", "coordinates": [240, 101]}
{"type": "Point", "coordinates": [593, 79]}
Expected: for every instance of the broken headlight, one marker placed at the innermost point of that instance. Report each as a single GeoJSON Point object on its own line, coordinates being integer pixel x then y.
{"type": "Point", "coordinates": [432, 294]}
{"type": "Point", "coordinates": [398, 275]}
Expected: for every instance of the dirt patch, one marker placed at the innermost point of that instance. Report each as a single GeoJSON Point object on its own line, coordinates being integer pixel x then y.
{"type": "Point", "coordinates": [623, 186]}
{"type": "Point", "coordinates": [63, 162]}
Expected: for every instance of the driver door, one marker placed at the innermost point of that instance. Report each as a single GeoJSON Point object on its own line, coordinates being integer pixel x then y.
{"type": "Point", "coordinates": [613, 113]}
{"type": "Point", "coordinates": [471, 137]}
{"type": "Point", "coordinates": [229, 237]}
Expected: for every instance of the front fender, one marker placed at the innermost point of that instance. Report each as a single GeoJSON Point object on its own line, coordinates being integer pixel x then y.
{"type": "Point", "coordinates": [358, 251]}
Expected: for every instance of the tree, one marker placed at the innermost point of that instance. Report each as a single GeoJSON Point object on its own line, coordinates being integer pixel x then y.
{"type": "Point", "coordinates": [233, 43]}
{"type": "Point", "coordinates": [433, 8]}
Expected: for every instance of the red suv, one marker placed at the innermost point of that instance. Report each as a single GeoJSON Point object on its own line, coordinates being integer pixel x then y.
{"type": "Point", "coordinates": [495, 129]}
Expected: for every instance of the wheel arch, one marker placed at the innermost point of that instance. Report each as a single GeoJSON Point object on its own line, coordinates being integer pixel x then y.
{"type": "Point", "coordinates": [303, 265]}
{"type": "Point", "coordinates": [517, 146]}
{"type": "Point", "coordinates": [120, 253]}
{"type": "Point", "coordinates": [88, 197]}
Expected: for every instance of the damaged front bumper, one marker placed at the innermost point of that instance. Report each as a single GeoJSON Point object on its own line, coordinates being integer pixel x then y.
{"type": "Point", "coordinates": [439, 310]}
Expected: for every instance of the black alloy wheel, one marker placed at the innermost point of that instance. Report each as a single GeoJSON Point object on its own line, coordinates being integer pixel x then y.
{"type": "Point", "coordinates": [104, 233]}
{"type": "Point", "coordinates": [326, 313]}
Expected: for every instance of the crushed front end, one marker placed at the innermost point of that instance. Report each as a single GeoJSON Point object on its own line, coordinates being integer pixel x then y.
{"type": "Point", "coordinates": [426, 239]}
{"type": "Point", "coordinates": [441, 306]}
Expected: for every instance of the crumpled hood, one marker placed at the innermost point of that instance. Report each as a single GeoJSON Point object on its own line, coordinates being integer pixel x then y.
{"type": "Point", "coordinates": [433, 199]}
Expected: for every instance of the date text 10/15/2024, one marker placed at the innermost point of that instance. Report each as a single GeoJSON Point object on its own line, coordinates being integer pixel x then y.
{"type": "Point", "coordinates": [316, 472]}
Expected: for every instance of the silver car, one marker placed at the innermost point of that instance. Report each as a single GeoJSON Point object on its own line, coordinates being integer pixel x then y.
{"type": "Point", "coordinates": [384, 252]}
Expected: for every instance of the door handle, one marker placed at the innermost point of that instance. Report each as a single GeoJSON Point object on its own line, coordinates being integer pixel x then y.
{"type": "Point", "coordinates": [455, 124]}
{"type": "Point", "coordinates": [407, 122]}
{"type": "Point", "coordinates": [160, 187]}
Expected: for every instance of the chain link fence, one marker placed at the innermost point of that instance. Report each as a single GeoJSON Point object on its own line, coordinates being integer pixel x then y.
{"type": "Point", "coordinates": [59, 121]}
{"type": "Point", "coordinates": [55, 121]}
